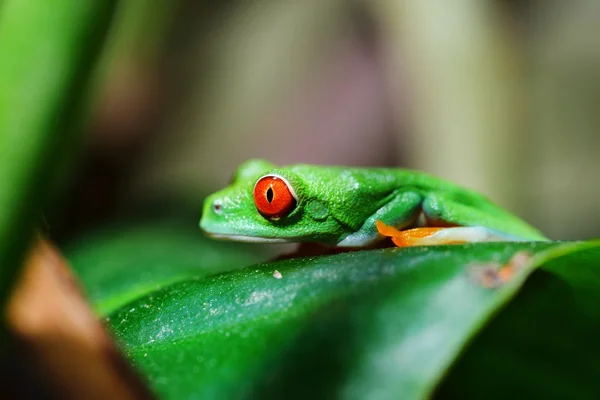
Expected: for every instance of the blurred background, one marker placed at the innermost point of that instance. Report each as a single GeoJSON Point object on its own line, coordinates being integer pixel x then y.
{"type": "Point", "coordinates": [500, 96]}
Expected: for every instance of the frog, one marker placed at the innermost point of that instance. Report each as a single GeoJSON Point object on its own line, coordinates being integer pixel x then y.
{"type": "Point", "coordinates": [354, 207]}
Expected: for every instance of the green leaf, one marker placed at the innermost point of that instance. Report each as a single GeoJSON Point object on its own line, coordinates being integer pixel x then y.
{"type": "Point", "coordinates": [544, 344]}
{"type": "Point", "coordinates": [119, 264]}
{"type": "Point", "coordinates": [47, 52]}
{"type": "Point", "coordinates": [370, 324]}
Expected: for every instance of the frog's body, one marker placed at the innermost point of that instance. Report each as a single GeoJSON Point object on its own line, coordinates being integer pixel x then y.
{"type": "Point", "coordinates": [341, 206]}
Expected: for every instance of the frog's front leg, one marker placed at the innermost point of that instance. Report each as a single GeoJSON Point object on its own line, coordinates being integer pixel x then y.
{"type": "Point", "coordinates": [400, 211]}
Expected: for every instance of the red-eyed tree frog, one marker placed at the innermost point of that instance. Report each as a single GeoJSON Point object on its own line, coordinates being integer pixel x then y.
{"type": "Point", "coordinates": [354, 207]}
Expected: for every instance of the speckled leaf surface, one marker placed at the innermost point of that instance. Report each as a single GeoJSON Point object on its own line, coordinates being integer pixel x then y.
{"type": "Point", "coordinates": [370, 324]}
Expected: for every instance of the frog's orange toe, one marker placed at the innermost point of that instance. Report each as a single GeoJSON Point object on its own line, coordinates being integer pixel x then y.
{"type": "Point", "coordinates": [414, 237]}
{"type": "Point", "coordinates": [387, 230]}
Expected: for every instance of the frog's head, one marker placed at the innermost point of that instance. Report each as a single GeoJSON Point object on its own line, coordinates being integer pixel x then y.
{"type": "Point", "coordinates": [269, 204]}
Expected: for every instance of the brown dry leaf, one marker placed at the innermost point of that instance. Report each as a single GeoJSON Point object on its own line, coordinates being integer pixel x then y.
{"type": "Point", "coordinates": [51, 318]}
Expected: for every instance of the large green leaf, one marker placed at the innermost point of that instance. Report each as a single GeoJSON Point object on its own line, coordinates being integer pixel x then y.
{"type": "Point", "coordinates": [47, 53]}
{"type": "Point", "coordinates": [544, 344]}
{"type": "Point", "coordinates": [125, 261]}
{"type": "Point", "coordinates": [370, 324]}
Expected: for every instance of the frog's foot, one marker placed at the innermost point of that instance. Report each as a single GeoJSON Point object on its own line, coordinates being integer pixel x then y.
{"type": "Point", "coordinates": [436, 236]}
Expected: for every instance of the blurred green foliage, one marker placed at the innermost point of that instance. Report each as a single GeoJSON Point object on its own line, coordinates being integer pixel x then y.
{"type": "Point", "coordinates": [47, 52]}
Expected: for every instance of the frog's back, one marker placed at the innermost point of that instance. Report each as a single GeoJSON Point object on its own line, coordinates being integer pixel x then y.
{"type": "Point", "coordinates": [355, 188]}
{"type": "Point", "coordinates": [378, 180]}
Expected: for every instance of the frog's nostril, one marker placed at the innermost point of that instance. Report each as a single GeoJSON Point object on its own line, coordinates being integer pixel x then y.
{"type": "Point", "coordinates": [217, 207]}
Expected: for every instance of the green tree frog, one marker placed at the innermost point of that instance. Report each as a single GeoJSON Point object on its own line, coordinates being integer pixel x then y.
{"type": "Point", "coordinates": [354, 207]}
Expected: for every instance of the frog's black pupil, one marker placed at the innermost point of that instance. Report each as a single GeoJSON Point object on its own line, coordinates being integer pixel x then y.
{"type": "Point", "coordinates": [270, 195]}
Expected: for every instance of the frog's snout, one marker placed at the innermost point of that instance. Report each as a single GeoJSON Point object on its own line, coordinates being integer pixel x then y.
{"type": "Point", "coordinates": [209, 211]}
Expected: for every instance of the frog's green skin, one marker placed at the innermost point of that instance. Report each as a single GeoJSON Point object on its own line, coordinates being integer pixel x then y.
{"type": "Point", "coordinates": [339, 206]}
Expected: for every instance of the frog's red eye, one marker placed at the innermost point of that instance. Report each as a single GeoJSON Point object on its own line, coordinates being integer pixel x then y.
{"type": "Point", "coordinates": [274, 197]}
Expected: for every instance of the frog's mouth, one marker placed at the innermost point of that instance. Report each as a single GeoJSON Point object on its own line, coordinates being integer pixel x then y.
{"type": "Point", "coordinates": [247, 239]}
